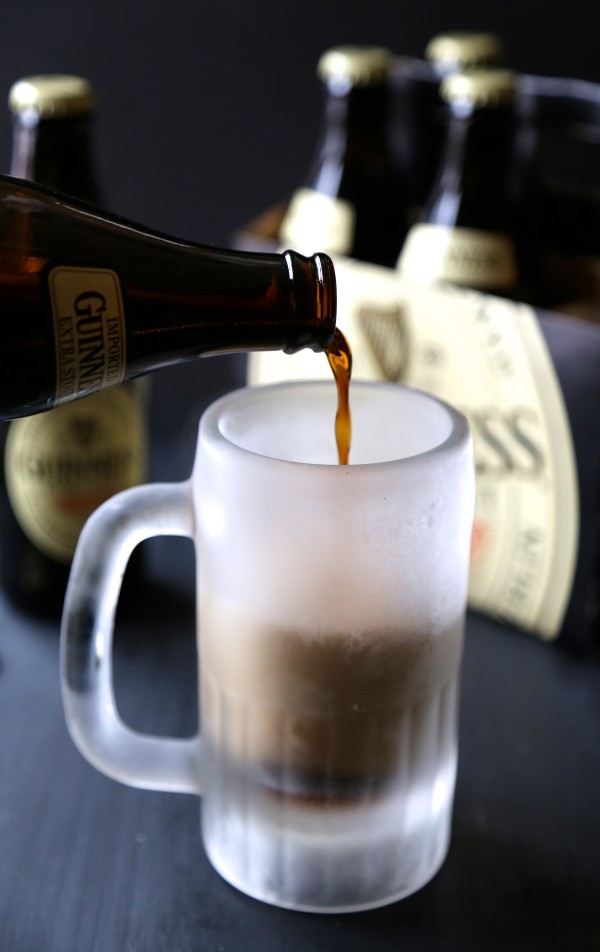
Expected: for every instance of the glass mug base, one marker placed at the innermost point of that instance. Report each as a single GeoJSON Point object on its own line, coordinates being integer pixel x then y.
{"type": "Point", "coordinates": [307, 886]}
{"type": "Point", "coordinates": [324, 846]}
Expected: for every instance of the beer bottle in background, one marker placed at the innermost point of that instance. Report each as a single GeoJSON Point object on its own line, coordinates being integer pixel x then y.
{"type": "Point", "coordinates": [468, 230]}
{"type": "Point", "coordinates": [95, 299]}
{"type": "Point", "coordinates": [456, 51]}
{"type": "Point", "coordinates": [421, 146]}
{"type": "Point", "coordinates": [352, 203]}
{"type": "Point", "coordinates": [557, 155]}
{"type": "Point", "coordinates": [59, 466]}
{"type": "Point", "coordinates": [52, 133]}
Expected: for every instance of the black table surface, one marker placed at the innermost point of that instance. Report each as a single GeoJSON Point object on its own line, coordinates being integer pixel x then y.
{"type": "Point", "coordinates": [89, 865]}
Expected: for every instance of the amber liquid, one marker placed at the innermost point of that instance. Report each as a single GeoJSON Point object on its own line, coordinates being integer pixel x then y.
{"type": "Point", "coordinates": [339, 356]}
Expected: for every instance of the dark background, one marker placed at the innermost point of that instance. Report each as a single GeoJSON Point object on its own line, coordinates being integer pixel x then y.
{"type": "Point", "coordinates": [208, 111]}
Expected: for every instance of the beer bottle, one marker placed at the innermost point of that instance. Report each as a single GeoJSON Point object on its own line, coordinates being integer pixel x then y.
{"type": "Point", "coordinates": [352, 203]}
{"type": "Point", "coordinates": [92, 299]}
{"type": "Point", "coordinates": [467, 233]}
{"type": "Point", "coordinates": [60, 465]}
{"type": "Point", "coordinates": [456, 51]}
{"type": "Point", "coordinates": [52, 135]}
{"type": "Point", "coordinates": [422, 144]}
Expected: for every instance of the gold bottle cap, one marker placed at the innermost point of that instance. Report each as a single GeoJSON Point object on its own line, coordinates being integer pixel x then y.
{"type": "Point", "coordinates": [462, 50]}
{"type": "Point", "coordinates": [360, 65]}
{"type": "Point", "coordinates": [52, 95]}
{"type": "Point", "coordinates": [481, 87]}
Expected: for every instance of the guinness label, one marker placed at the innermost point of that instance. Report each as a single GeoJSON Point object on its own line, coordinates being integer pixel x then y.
{"type": "Point", "coordinates": [464, 256]}
{"type": "Point", "coordinates": [62, 464]}
{"type": "Point", "coordinates": [315, 222]}
{"type": "Point", "coordinates": [89, 328]}
{"type": "Point", "coordinates": [487, 356]}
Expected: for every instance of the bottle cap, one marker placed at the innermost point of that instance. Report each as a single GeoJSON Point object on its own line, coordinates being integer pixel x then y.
{"type": "Point", "coordinates": [52, 95]}
{"type": "Point", "coordinates": [461, 50]}
{"type": "Point", "coordinates": [481, 87]}
{"type": "Point", "coordinates": [359, 65]}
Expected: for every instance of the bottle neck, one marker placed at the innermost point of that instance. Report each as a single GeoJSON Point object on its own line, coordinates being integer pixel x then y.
{"type": "Point", "coordinates": [354, 168]}
{"type": "Point", "coordinates": [353, 132]}
{"type": "Point", "coordinates": [475, 186]}
{"type": "Point", "coordinates": [477, 235]}
{"type": "Point", "coordinates": [225, 301]}
{"type": "Point", "coordinates": [55, 152]}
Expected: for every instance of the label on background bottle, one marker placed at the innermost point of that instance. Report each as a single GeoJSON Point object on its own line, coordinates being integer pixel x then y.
{"type": "Point", "coordinates": [315, 222]}
{"type": "Point", "coordinates": [465, 256]}
{"type": "Point", "coordinates": [89, 330]}
{"type": "Point", "coordinates": [62, 464]}
{"type": "Point", "coordinates": [487, 356]}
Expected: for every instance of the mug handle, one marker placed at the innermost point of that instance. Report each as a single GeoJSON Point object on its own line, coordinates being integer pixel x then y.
{"type": "Point", "coordinates": [105, 545]}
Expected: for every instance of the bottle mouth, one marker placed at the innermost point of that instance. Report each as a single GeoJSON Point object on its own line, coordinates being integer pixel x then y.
{"type": "Point", "coordinates": [315, 301]}
{"type": "Point", "coordinates": [327, 291]}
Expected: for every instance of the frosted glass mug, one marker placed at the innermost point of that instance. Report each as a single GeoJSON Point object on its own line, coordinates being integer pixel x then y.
{"type": "Point", "coordinates": [331, 603]}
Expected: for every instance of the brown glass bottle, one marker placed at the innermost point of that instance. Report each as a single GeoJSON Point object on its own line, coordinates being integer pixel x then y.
{"type": "Point", "coordinates": [60, 465]}
{"type": "Point", "coordinates": [468, 230]}
{"type": "Point", "coordinates": [422, 144]}
{"type": "Point", "coordinates": [52, 118]}
{"type": "Point", "coordinates": [459, 50]}
{"type": "Point", "coordinates": [351, 203]}
{"type": "Point", "coordinates": [95, 299]}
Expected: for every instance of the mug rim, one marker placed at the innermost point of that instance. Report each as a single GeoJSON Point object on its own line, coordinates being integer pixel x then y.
{"type": "Point", "coordinates": [458, 438]}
